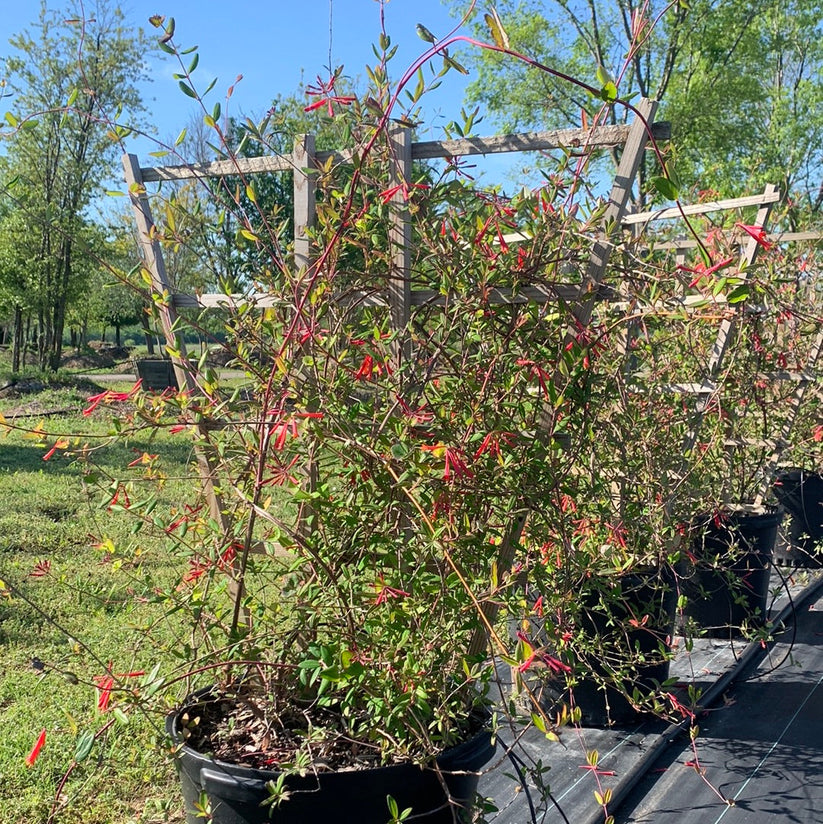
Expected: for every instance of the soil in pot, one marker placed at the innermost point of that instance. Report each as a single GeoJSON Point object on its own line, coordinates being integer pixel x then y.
{"type": "Point", "coordinates": [801, 494]}
{"type": "Point", "coordinates": [729, 585]}
{"type": "Point", "coordinates": [236, 793]}
{"type": "Point", "coordinates": [630, 621]}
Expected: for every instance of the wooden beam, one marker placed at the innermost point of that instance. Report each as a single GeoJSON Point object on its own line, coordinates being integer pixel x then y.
{"type": "Point", "coordinates": [703, 208]}
{"type": "Point", "coordinates": [599, 137]}
{"type": "Point", "coordinates": [155, 264]}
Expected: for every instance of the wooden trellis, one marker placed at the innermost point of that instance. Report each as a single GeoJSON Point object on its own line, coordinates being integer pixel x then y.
{"type": "Point", "coordinates": [399, 298]}
{"type": "Point", "coordinates": [708, 386]}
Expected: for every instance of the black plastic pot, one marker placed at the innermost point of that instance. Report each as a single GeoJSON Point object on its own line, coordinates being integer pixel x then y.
{"type": "Point", "coordinates": [631, 617]}
{"type": "Point", "coordinates": [729, 586]}
{"type": "Point", "coordinates": [234, 793]}
{"type": "Point", "coordinates": [801, 494]}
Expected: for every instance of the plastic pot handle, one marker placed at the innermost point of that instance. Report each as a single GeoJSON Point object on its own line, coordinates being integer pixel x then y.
{"type": "Point", "coordinates": [225, 785]}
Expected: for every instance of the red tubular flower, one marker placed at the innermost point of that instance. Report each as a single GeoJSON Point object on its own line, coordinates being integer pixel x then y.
{"type": "Point", "coordinates": [366, 370]}
{"type": "Point", "coordinates": [387, 593]}
{"type": "Point", "coordinates": [702, 272]}
{"type": "Point", "coordinates": [491, 444]}
{"type": "Point", "coordinates": [281, 473]}
{"type": "Point", "coordinates": [401, 188]}
{"type": "Point", "coordinates": [593, 768]}
{"type": "Point", "coordinates": [684, 711]}
{"type": "Point", "coordinates": [196, 569]}
{"type": "Point", "coordinates": [35, 750]}
{"type": "Point", "coordinates": [41, 569]}
{"type": "Point", "coordinates": [281, 430]}
{"type": "Point", "coordinates": [758, 233]}
{"type": "Point", "coordinates": [456, 465]}
{"type": "Point", "coordinates": [110, 397]}
{"type": "Point", "coordinates": [104, 684]}
{"type": "Point", "coordinates": [326, 96]}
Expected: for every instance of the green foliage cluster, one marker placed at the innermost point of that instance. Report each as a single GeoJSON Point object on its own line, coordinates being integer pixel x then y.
{"type": "Point", "coordinates": [740, 83]}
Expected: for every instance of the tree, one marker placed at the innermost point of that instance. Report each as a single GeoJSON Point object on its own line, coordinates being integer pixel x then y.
{"type": "Point", "coordinates": [740, 81]}
{"type": "Point", "coordinates": [71, 77]}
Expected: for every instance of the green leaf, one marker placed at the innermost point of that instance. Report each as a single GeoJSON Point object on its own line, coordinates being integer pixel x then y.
{"type": "Point", "coordinates": [739, 293]}
{"type": "Point", "coordinates": [193, 65]}
{"type": "Point", "coordinates": [705, 256]}
{"type": "Point", "coordinates": [603, 76]}
{"type": "Point", "coordinates": [187, 90]}
{"type": "Point", "coordinates": [665, 187]}
{"type": "Point", "coordinates": [11, 120]}
{"type": "Point", "coordinates": [180, 138]}
{"type": "Point", "coordinates": [121, 716]}
{"type": "Point", "coordinates": [424, 34]}
{"type": "Point", "coordinates": [82, 748]}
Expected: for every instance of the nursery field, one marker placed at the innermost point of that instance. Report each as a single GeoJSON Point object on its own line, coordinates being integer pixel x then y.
{"type": "Point", "coordinates": [77, 588]}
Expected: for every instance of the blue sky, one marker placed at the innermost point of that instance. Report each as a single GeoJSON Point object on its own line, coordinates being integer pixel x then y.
{"type": "Point", "coordinates": [275, 45]}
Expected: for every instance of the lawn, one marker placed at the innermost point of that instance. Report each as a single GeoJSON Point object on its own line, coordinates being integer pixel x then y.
{"type": "Point", "coordinates": [78, 586]}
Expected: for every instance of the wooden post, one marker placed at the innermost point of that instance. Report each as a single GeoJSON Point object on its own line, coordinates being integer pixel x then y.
{"type": "Point", "coordinates": [305, 200]}
{"type": "Point", "coordinates": [305, 213]}
{"type": "Point", "coordinates": [400, 241]}
{"type": "Point", "coordinates": [154, 262]}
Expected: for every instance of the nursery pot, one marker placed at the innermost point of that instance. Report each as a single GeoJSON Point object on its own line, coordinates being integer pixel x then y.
{"type": "Point", "coordinates": [732, 553]}
{"type": "Point", "coordinates": [234, 792]}
{"type": "Point", "coordinates": [157, 374]}
{"type": "Point", "coordinates": [801, 494]}
{"type": "Point", "coordinates": [634, 621]}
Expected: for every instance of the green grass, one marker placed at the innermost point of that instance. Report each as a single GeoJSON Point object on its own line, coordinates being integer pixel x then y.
{"type": "Point", "coordinates": [46, 519]}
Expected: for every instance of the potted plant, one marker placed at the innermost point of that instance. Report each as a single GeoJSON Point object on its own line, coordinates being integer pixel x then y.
{"type": "Point", "coordinates": [611, 536]}
{"type": "Point", "coordinates": [738, 431]}
{"type": "Point", "coordinates": [344, 579]}
{"type": "Point", "coordinates": [387, 470]}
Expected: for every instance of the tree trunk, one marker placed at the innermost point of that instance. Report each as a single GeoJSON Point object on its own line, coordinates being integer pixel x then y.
{"type": "Point", "coordinates": [144, 322]}
{"type": "Point", "coordinates": [17, 339]}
